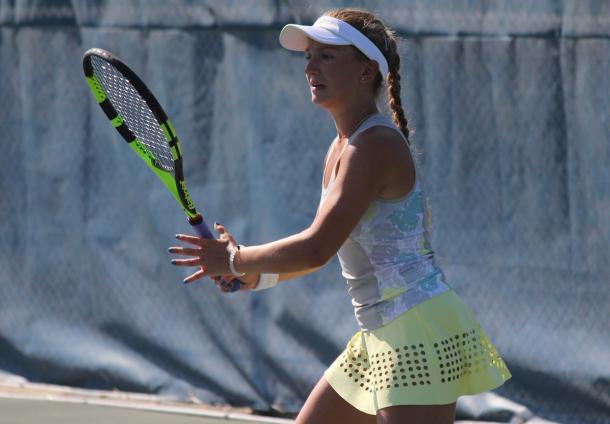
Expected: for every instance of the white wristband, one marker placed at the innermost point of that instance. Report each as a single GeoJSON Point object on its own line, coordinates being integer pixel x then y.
{"type": "Point", "coordinates": [231, 262]}
{"type": "Point", "coordinates": [266, 281]}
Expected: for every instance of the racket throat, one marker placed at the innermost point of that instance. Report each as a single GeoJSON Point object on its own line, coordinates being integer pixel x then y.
{"type": "Point", "coordinates": [195, 220]}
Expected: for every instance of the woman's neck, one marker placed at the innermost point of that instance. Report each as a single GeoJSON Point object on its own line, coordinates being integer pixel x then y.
{"type": "Point", "coordinates": [347, 121]}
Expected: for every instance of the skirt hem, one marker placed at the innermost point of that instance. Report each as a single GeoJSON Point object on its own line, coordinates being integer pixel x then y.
{"type": "Point", "coordinates": [429, 355]}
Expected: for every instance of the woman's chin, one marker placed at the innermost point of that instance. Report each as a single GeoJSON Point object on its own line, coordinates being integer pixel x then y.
{"type": "Point", "coordinates": [319, 100]}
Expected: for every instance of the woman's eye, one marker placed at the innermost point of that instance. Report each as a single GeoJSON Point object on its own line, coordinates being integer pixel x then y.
{"type": "Point", "coordinates": [323, 56]}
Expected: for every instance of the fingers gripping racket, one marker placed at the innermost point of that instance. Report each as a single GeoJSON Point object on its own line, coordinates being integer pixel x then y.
{"type": "Point", "coordinates": [137, 116]}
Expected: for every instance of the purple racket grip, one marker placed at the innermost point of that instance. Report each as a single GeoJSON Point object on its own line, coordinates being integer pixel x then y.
{"type": "Point", "coordinates": [202, 230]}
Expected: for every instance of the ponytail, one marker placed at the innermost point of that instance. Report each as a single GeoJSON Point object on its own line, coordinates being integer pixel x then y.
{"type": "Point", "coordinates": [385, 40]}
{"type": "Point", "coordinates": [394, 101]}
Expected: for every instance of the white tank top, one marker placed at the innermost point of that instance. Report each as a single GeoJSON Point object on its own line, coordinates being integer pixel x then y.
{"type": "Point", "coordinates": [386, 259]}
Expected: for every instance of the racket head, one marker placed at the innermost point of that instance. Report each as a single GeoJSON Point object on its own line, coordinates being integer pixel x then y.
{"type": "Point", "coordinates": [139, 118]}
{"type": "Point", "coordinates": [137, 115]}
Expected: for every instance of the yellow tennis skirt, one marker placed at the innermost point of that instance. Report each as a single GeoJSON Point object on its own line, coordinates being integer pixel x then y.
{"type": "Point", "coordinates": [429, 355]}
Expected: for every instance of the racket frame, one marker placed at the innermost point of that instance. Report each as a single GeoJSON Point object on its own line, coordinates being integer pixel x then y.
{"type": "Point", "coordinates": [175, 183]}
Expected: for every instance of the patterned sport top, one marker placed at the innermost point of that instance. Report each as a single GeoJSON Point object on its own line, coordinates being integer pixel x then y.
{"type": "Point", "coordinates": [386, 259]}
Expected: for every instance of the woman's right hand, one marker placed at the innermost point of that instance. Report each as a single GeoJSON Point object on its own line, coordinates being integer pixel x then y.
{"type": "Point", "coordinates": [248, 281]}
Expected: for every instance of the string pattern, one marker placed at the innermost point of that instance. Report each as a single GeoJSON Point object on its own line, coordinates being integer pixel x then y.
{"type": "Point", "coordinates": [135, 112]}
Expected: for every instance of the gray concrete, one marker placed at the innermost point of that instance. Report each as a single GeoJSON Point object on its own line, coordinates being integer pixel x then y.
{"type": "Point", "coordinates": [27, 411]}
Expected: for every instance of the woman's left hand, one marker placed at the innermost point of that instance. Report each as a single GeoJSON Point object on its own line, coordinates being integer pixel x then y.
{"type": "Point", "coordinates": [211, 256]}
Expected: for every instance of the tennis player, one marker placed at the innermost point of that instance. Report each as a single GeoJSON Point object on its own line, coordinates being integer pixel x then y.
{"type": "Point", "coordinates": [419, 347]}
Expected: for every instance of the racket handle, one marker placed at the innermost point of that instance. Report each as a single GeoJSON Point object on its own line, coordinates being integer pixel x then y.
{"type": "Point", "coordinates": [202, 230]}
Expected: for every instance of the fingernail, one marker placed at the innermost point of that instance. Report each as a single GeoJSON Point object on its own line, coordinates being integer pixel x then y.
{"type": "Point", "coordinates": [185, 282]}
{"type": "Point", "coordinates": [216, 223]}
{"type": "Point", "coordinates": [173, 261]}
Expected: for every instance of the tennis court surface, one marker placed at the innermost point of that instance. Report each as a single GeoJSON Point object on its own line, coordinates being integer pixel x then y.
{"type": "Point", "coordinates": [29, 403]}
{"type": "Point", "coordinates": [23, 402]}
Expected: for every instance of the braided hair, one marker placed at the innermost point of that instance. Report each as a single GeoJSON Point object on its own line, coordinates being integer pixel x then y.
{"type": "Point", "coordinates": [385, 40]}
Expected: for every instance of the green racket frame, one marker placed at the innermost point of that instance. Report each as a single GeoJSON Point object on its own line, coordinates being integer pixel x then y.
{"type": "Point", "coordinates": [173, 179]}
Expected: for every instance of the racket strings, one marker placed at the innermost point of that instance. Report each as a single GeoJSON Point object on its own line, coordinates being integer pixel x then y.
{"type": "Point", "coordinates": [135, 112]}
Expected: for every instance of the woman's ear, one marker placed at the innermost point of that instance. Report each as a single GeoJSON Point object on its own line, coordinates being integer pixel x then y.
{"type": "Point", "coordinates": [370, 71]}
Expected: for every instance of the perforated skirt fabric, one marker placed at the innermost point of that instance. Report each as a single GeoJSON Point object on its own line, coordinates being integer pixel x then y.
{"type": "Point", "coordinates": [430, 355]}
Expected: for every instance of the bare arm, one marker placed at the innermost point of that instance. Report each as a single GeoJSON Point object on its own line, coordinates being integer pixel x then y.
{"type": "Point", "coordinates": [367, 167]}
{"type": "Point", "coordinates": [364, 171]}
{"type": "Point", "coordinates": [249, 281]}
{"type": "Point", "coordinates": [290, 275]}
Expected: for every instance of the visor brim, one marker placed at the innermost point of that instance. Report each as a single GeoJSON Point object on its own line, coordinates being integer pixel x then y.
{"type": "Point", "coordinates": [295, 37]}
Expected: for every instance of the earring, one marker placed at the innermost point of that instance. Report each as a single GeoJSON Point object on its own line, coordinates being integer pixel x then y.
{"type": "Point", "coordinates": [362, 78]}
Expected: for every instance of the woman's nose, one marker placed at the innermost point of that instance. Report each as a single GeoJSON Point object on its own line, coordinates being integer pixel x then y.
{"type": "Point", "coordinates": [311, 67]}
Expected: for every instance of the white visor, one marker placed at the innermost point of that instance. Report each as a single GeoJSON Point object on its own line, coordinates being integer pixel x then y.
{"type": "Point", "coordinates": [327, 30]}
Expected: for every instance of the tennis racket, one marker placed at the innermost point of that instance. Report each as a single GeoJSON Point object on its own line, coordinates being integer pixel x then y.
{"type": "Point", "coordinates": [138, 117]}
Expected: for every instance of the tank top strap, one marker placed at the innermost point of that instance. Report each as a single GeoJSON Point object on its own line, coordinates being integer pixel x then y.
{"type": "Point", "coordinates": [383, 121]}
{"type": "Point", "coordinates": [373, 121]}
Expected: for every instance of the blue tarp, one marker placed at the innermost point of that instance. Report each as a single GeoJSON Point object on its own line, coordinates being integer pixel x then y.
{"type": "Point", "coordinates": [509, 102]}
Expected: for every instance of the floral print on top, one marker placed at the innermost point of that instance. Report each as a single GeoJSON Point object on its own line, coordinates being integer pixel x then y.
{"type": "Point", "coordinates": [386, 260]}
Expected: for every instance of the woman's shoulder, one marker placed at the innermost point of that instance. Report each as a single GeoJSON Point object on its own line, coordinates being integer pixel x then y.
{"type": "Point", "coordinates": [380, 140]}
{"type": "Point", "coordinates": [386, 151]}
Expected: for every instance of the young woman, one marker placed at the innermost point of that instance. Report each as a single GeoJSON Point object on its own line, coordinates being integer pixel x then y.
{"type": "Point", "coordinates": [419, 347]}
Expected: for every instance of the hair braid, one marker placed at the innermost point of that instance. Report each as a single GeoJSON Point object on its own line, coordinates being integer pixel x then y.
{"type": "Point", "coordinates": [385, 40]}
{"type": "Point", "coordinates": [394, 100]}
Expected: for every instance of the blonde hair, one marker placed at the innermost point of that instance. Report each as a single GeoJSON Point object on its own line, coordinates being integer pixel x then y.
{"type": "Point", "coordinates": [385, 40]}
